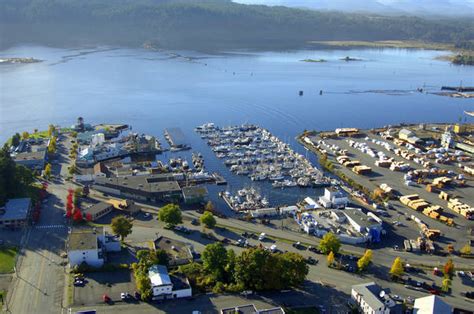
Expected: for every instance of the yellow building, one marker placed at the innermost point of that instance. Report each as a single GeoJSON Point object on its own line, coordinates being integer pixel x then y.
{"type": "Point", "coordinates": [459, 128]}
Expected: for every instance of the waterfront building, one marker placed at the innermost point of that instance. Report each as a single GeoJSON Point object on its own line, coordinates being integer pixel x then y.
{"type": "Point", "coordinates": [149, 188]}
{"type": "Point", "coordinates": [409, 136]}
{"type": "Point", "coordinates": [32, 160]}
{"type": "Point", "coordinates": [333, 198]}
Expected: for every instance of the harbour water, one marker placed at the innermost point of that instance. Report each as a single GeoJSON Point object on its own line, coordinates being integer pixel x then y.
{"type": "Point", "coordinates": [156, 90]}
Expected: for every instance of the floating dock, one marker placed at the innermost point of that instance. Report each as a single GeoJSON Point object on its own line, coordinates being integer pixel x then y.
{"type": "Point", "coordinates": [219, 179]}
{"type": "Point", "coordinates": [458, 89]}
{"type": "Point", "coordinates": [176, 139]}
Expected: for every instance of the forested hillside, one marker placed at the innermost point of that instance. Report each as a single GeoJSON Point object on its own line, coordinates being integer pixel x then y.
{"type": "Point", "coordinates": [206, 24]}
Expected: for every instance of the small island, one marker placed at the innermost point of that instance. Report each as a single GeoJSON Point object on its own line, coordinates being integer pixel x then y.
{"type": "Point", "coordinates": [314, 60]}
{"type": "Point", "coordinates": [347, 59]}
{"type": "Point", "coordinates": [463, 59]}
{"type": "Point", "coordinates": [18, 60]}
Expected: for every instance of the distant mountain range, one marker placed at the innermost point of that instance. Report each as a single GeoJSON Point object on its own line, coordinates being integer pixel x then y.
{"type": "Point", "coordinates": [217, 24]}
{"type": "Point", "coordinates": [412, 7]}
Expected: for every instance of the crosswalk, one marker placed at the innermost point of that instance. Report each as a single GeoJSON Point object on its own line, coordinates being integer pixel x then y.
{"type": "Point", "coordinates": [51, 227]}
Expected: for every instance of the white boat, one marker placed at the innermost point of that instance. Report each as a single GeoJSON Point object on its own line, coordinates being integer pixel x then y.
{"type": "Point", "coordinates": [258, 177]}
{"type": "Point", "coordinates": [276, 177]}
{"type": "Point", "coordinates": [277, 184]}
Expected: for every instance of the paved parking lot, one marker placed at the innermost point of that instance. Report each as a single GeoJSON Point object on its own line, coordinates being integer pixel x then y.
{"type": "Point", "coordinates": [395, 179]}
{"type": "Point", "coordinates": [100, 283]}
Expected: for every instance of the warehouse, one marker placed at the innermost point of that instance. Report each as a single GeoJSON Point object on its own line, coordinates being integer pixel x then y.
{"type": "Point", "coordinates": [150, 188]}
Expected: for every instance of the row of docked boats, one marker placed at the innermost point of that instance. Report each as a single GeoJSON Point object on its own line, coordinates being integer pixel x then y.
{"type": "Point", "coordinates": [249, 150]}
{"type": "Point", "coordinates": [198, 161]}
{"type": "Point", "coordinates": [245, 199]}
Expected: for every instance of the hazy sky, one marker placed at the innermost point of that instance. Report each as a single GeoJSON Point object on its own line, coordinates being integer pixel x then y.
{"type": "Point", "coordinates": [300, 2]}
{"type": "Point", "coordinates": [456, 7]}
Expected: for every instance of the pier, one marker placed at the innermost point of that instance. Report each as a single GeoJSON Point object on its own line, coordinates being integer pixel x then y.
{"type": "Point", "coordinates": [458, 89]}
{"type": "Point", "coordinates": [176, 139]}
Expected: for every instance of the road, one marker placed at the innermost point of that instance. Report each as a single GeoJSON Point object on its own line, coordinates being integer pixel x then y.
{"type": "Point", "coordinates": [319, 275]}
{"type": "Point", "coordinates": [38, 286]}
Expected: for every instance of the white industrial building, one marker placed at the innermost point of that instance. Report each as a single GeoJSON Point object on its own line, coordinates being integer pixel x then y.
{"type": "Point", "coordinates": [362, 222]}
{"type": "Point", "coordinates": [333, 198]}
{"type": "Point", "coordinates": [166, 287]}
{"type": "Point", "coordinates": [431, 305]}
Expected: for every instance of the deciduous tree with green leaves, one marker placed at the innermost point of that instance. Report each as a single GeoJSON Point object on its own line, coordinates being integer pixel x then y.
{"type": "Point", "coordinates": [214, 258]}
{"type": "Point", "coordinates": [16, 139]}
{"type": "Point", "coordinates": [121, 226]}
{"type": "Point", "coordinates": [170, 214]}
{"type": "Point", "coordinates": [330, 243]}
{"type": "Point", "coordinates": [208, 220]}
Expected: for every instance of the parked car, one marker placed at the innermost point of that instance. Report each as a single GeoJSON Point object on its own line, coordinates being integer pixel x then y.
{"type": "Point", "coordinates": [314, 250]}
{"type": "Point", "coordinates": [437, 272]}
{"type": "Point", "coordinates": [262, 236]}
{"type": "Point", "coordinates": [138, 296]}
{"type": "Point", "coordinates": [312, 261]}
{"type": "Point", "coordinates": [182, 229]}
{"type": "Point", "coordinates": [469, 294]}
{"type": "Point", "coordinates": [470, 274]}
{"type": "Point", "coordinates": [125, 296]}
{"type": "Point", "coordinates": [106, 298]}
{"type": "Point", "coordinates": [79, 283]}
{"type": "Point", "coordinates": [296, 244]}
{"type": "Point", "coordinates": [460, 273]}
{"type": "Point", "coordinates": [434, 291]}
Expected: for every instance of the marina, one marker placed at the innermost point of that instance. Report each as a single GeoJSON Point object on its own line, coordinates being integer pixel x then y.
{"type": "Point", "coordinates": [251, 151]}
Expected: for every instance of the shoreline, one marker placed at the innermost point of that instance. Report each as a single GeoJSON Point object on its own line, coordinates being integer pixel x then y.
{"type": "Point", "coordinates": [400, 44]}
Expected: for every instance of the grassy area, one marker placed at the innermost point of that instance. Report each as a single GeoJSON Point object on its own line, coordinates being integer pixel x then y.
{"type": "Point", "coordinates": [387, 44]}
{"type": "Point", "coordinates": [7, 259]}
{"type": "Point", "coordinates": [69, 290]}
{"type": "Point", "coordinates": [39, 134]}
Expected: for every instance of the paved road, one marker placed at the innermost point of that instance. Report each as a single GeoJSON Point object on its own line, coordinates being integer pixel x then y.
{"type": "Point", "coordinates": [38, 286]}
{"type": "Point", "coordinates": [337, 281]}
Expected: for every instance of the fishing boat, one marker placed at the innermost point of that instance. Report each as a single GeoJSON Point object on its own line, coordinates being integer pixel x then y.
{"type": "Point", "coordinates": [276, 177]}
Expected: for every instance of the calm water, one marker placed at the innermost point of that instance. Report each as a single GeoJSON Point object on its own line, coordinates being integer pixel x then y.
{"type": "Point", "coordinates": [154, 90]}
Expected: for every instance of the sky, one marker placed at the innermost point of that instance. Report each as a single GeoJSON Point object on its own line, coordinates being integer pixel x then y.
{"type": "Point", "coordinates": [419, 7]}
